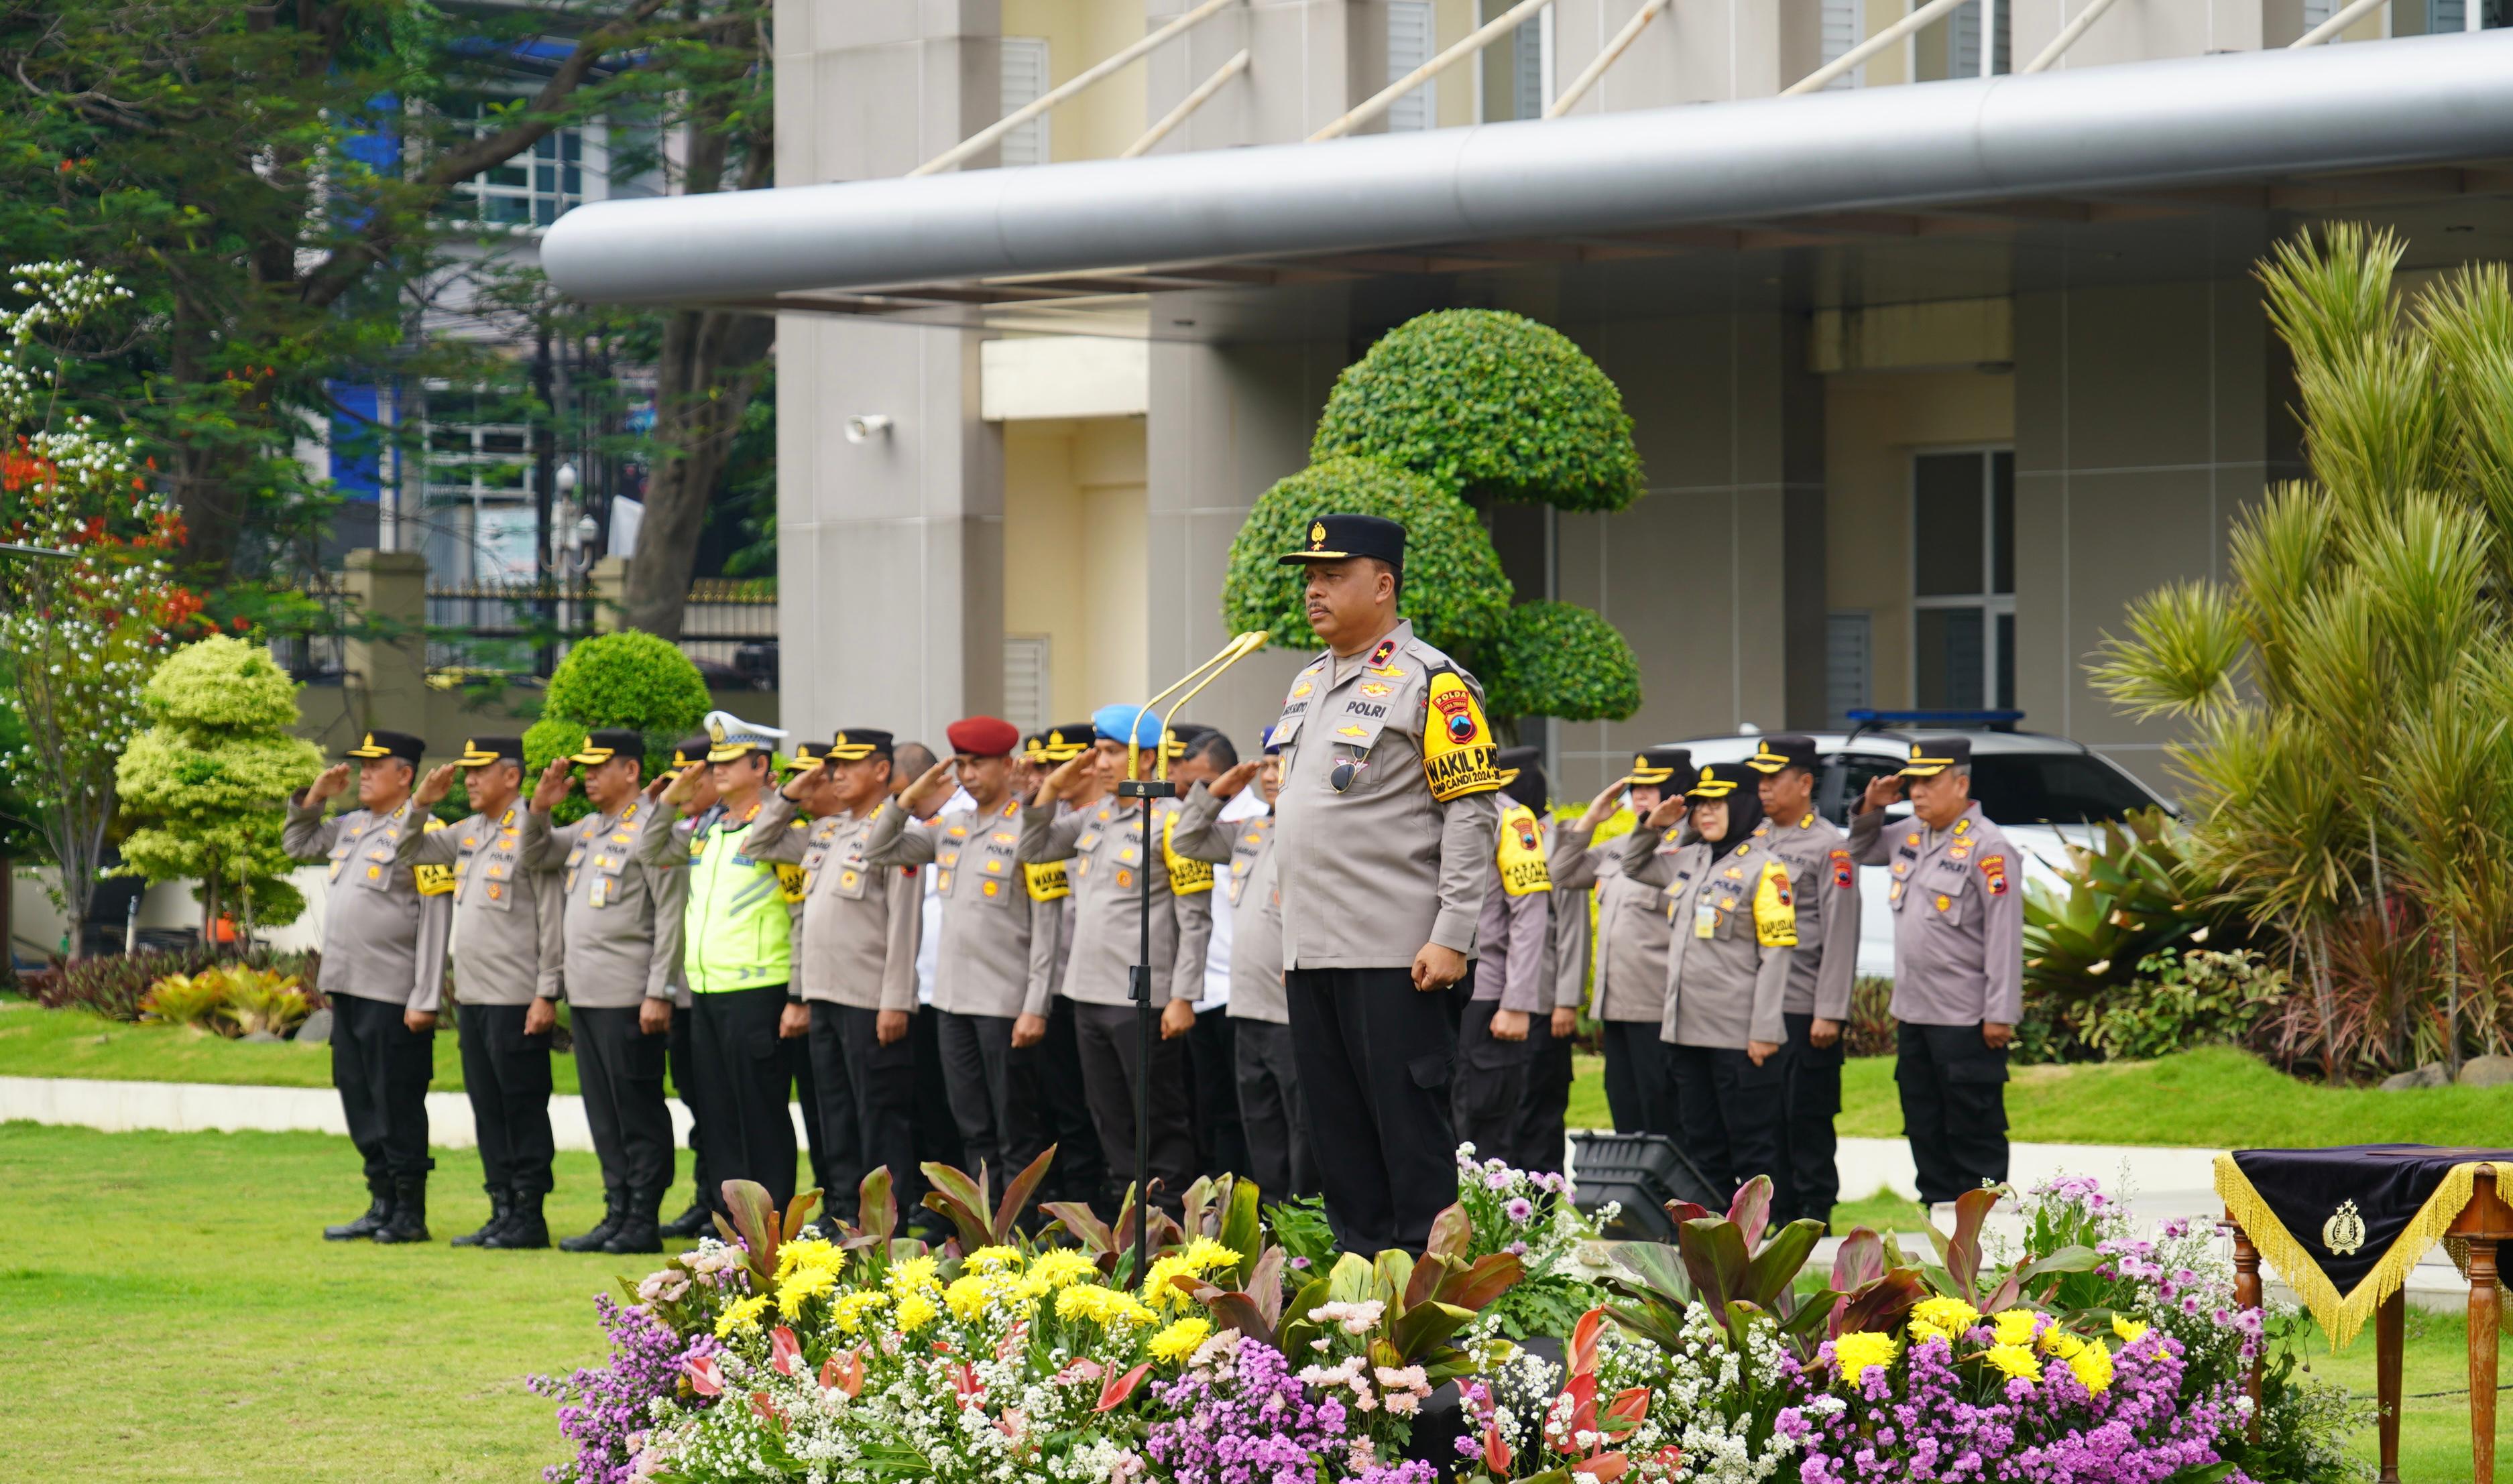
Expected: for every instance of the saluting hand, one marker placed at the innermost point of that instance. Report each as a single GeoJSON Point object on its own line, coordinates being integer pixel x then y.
{"type": "Point", "coordinates": [1670, 811]}
{"type": "Point", "coordinates": [436, 784]}
{"type": "Point", "coordinates": [681, 787]}
{"type": "Point", "coordinates": [1052, 788]}
{"type": "Point", "coordinates": [929, 787]}
{"type": "Point", "coordinates": [329, 782]}
{"type": "Point", "coordinates": [1882, 790]}
{"type": "Point", "coordinates": [1601, 807]}
{"type": "Point", "coordinates": [552, 788]}
{"type": "Point", "coordinates": [1241, 774]}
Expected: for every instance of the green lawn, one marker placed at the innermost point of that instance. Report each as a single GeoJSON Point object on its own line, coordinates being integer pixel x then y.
{"type": "Point", "coordinates": [74, 1044]}
{"type": "Point", "coordinates": [170, 1314]}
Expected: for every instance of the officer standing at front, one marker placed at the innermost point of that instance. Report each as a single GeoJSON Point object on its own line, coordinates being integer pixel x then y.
{"type": "Point", "coordinates": [1825, 883]}
{"type": "Point", "coordinates": [507, 947]}
{"type": "Point", "coordinates": [384, 928]}
{"type": "Point", "coordinates": [1734, 921]}
{"type": "Point", "coordinates": [621, 922]}
{"type": "Point", "coordinates": [1276, 1124]}
{"type": "Point", "coordinates": [997, 935]}
{"type": "Point", "coordinates": [1628, 1000]}
{"type": "Point", "coordinates": [1958, 904]}
{"type": "Point", "coordinates": [738, 953]}
{"type": "Point", "coordinates": [1512, 993]}
{"type": "Point", "coordinates": [1111, 853]}
{"type": "Point", "coordinates": [1384, 846]}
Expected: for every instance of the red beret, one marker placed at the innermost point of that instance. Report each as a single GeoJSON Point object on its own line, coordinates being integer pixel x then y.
{"type": "Point", "coordinates": [983, 736]}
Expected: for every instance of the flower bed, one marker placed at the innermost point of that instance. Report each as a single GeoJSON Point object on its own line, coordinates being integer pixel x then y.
{"type": "Point", "coordinates": [1519, 1346]}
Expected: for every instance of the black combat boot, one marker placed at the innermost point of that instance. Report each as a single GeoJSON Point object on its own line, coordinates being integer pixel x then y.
{"type": "Point", "coordinates": [638, 1232]}
{"type": "Point", "coordinates": [612, 1205]}
{"type": "Point", "coordinates": [524, 1229]}
{"type": "Point", "coordinates": [409, 1220]}
{"type": "Point", "coordinates": [499, 1209]}
{"type": "Point", "coordinates": [693, 1223]}
{"type": "Point", "coordinates": [379, 1211]}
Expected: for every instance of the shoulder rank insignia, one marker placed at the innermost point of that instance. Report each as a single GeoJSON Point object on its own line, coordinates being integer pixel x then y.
{"type": "Point", "coordinates": [1386, 651]}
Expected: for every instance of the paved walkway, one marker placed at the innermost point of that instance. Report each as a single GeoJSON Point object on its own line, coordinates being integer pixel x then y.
{"type": "Point", "coordinates": [2162, 1183]}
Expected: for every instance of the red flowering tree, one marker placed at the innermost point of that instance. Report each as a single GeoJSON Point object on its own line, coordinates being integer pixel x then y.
{"type": "Point", "coordinates": [90, 602]}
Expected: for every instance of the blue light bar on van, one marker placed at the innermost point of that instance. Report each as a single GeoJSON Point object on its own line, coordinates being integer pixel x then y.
{"type": "Point", "coordinates": [1996, 720]}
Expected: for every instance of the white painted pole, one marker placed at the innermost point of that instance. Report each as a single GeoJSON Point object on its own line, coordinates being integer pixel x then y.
{"type": "Point", "coordinates": [1187, 106]}
{"type": "Point", "coordinates": [1492, 30]}
{"type": "Point", "coordinates": [1613, 53]}
{"type": "Point", "coordinates": [1849, 61]}
{"type": "Point", "coordinates": [2338, 24]}
{"type": "Point", "coordinates": [2068, 35]}
{"type": "Point", "coordinates": [1049, 99]}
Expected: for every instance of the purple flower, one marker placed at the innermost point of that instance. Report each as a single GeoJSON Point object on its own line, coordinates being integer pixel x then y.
{"type": "Point", "coordinates": [601, 1408]}
{"type": "Point", "coordinates": [1519, 1210]}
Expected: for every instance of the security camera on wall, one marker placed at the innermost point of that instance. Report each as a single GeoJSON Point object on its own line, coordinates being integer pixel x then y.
{"type": "Point", "coordinates": [864, 426]}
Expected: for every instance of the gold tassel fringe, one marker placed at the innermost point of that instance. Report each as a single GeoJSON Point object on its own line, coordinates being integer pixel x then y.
{"type": "Point", "coordinates": [2343, 1318]}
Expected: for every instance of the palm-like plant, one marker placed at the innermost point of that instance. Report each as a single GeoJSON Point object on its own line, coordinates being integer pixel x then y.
{"type": "Point", "coordinates": [2348, 687]}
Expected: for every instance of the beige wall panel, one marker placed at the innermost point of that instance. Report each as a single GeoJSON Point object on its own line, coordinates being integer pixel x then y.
{"type": "Point", "coordinates": [2143, 30]}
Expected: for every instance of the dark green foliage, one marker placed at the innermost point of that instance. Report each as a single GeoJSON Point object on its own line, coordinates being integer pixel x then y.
{"type": "Point", "coordinates": [628, 680]}
{"type": "Point", "coordinates": [1558, 659]}
{"type": "Point", "coordinates": [113, 984]}
{"type": "Point", "coordinates": [1492, 406]}
{"type": "Point", "coordinates": [1455, 591]}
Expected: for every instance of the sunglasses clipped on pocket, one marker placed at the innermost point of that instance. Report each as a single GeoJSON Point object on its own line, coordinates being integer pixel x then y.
{"type": "Point", "coordinates": [1341, 777]}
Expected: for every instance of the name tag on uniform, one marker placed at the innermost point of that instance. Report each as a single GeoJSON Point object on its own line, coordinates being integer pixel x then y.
{"type": "Point", "coordinates": [601, 893]}
{"type": "Point", "coordinates": [1706, 918]}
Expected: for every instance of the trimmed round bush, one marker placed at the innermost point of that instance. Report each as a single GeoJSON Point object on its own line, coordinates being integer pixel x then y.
{"type": "Point", "coordinates": [628, 679]}
{"type": "Point", "coordinates": [1559, 659]}
{"type": "Point", "coordinates": [1455, 591]}
{"type": "Point", "coordinates": [1491, 406]}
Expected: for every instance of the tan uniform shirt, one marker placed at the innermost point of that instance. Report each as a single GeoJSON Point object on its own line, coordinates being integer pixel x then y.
{"type": "Point", "coordinates": [1630, 877]}
{"type": "Point", "coordinates": [1104, 845]}
{"type": "Point", "coordinates": [1825, 882]}
{"type": "Point", "coordinates": [1247, 847]}
{"type": "Point", "coordinates": [1568, 949]}
{"type": "Point", "coordinates": [1958, 903]}
{"type": "Point", "coordinates": [998, 937]}
{"type": "Point", "coordinates": [622, 914]}
{"type": "Point", "coordinates": [1372, 874]}
{"type": "Point", "coordinates": [507, 936]}
{"type": "Point", "coordinates": [1726, 974]}
{"type": "Point", "coordinates": [1514, 936]}
{"type": "Point", "coordinates": [858, 939]}
{"type": "Point", "coordinates": [383, 937]}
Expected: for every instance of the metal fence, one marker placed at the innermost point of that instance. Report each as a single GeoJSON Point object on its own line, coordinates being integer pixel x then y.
{"type": "Point", "coordinates": [728, 630]}
{"type": "Point", "coordinates": [500, 626]}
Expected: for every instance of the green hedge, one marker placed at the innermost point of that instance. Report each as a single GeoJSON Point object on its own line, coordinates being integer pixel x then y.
{"type": "Point", "coordinates": [1455, 591]}
{"type": "Point", "coordinates": [1558, 659]}
{"type": "Point", "coordinates": [1491, 406]}
{"type": "Point", "coordinates": [629, 678]}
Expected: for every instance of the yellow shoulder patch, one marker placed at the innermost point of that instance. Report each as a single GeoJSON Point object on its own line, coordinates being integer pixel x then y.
{"type": "Point", "coordinates": [791, 881]}
{"type": "Point", "coordinates": [1047, 882]}
{"type": "Point", "coordinates": [1186, 877]}
{"type": "Point", "coordinates": [433, 880]}
{"type": "Point", "coordinates": [1521, 853]}
{"type": "Point", "coordinates": [1776, 910]}
{"type": "Point", "coordinates": [1457, 747]}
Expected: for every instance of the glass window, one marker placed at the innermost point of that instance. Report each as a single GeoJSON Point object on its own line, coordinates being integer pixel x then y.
{"type": "Point", "coordinates": [1945, 508]}
{"type": "Point", "coordinates": [2054, 788]}
{"type": "Point", "coordinates": [533, 189]}
{"type": "Point", "coordinates": [1963, 580]}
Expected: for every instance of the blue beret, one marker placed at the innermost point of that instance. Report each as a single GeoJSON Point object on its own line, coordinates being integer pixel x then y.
{"type": "Point", "coordinates": [1114, 722]}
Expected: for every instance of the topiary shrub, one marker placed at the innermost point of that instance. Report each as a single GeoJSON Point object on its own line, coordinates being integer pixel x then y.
{"type": "Point", "coordinates": [1455, 591]}
{"type": "Point", "coordinates": [1558, 659]}
{"type": "Point", "coordinates": [629, 678]}
{"type": "Point", "coordinates": [1491, 406]}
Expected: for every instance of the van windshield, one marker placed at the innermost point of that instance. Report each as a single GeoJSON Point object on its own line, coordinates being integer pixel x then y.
{"type": "Point", "coordinates": [2019, 788]}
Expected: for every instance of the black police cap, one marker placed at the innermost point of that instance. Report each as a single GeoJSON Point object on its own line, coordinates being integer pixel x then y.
{"type": "Point", "coordinates": [1932, 756]}
{"type": "Point", "coordinates": [1657, 767]}
{"type": "Point", "coordinates": [854, 744]}
{"type": "Point", "coordinates": [480, 752]}
{"type": "Point", "coordinates": [389, 744]}
{"type": "Point", "coordinates": [1783, 749]}
{"type": "Point", "coordinates": [603, 744]}
{"type": "Point", "coordinates": [1721, 780]}
{"type": "Point", "coordinates": [1339, 537]}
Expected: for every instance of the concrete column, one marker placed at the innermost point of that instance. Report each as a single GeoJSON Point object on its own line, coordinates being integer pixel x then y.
{"type": "Point", "coordinates": [387, 670]}
{"type": "Point", "coordinates": [891, 609]}
{"type": "Point", "coordinates": [610, 585]}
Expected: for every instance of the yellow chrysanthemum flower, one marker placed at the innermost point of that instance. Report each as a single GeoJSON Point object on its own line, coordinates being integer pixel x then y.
{"type": "Point", "coordinates": [1859, 1350]}
{"type": "Point", "coordinates": [849, 1310]}
{"type": "Point", "coordinates": [2093, 1366]}
{"type": "Point", "coordinates": [801, 1287]}
{"type": "Point", "coordinates": [1062, 1266]}
{"type": "Point", "coordinates": [967, 1296]}
{"type": "Point", "coordinates": [910, 1276]}
{"type": "Point", "coordinates": [809, 1252]}
{"type": "Point", "coordinates": [915, 1312]}
{"type": "Point", "coordinates": [1179, 1339]}
{"type": "Point", "coordinates": [2131, 1330]}
{"type": "Point", "coordinates": [994, 1258]}
{"type": "Point", "coordinates": [2014, 1326]}
{"type": "Point", "coordinates": [2061, 1343]}
{"type": "Point", "coordinates": [741, 1314]}
{"type": "Point", "coordinates": [1922, 1333]}
{"type": "Point", "coordinates": [1197, 1259]}
{"type": "Point", "coordinates": [1949, 1317]}
{"type": "Point", "coordinates": [2015, 1360]}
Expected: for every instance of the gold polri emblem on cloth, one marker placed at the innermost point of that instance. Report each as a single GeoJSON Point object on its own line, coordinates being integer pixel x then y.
{"type": "Point", "coordinates": [2344, 1233]}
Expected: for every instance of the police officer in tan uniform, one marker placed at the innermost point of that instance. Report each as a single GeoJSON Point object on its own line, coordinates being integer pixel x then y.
{"type": "Point", "coordinates": [689, 760]}
{"type": "Point", "coordinates": [1732, 923]}
{"type": "Point", "coordinates": [1047, 1078]}
{"type": "Point", "coordinates": [1540, 1134]}
{"type": "Point", "coordinates": [384, 930]}
{"type": "Point", "coordinates": [1825, 882]}
{"type": "Point", "coordinates": [1512, 997]}
{"type": "Point", "coordinates": [1958, 903]}
{"type": "Point", "coordinates": [998, 934]}
{"type": "Point", "coordinates": [1629, 997]}
{"type": "Point", "coordinates": [1108, 853]}
{"type": "Point", "coordinates": [1384, 846]}
{"type": "Point", "coordinates": [507, 947]}
{"type": "Point", "coordinates": [623, 929]}
{"type": "Point", "coordinates": [857, 960]}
